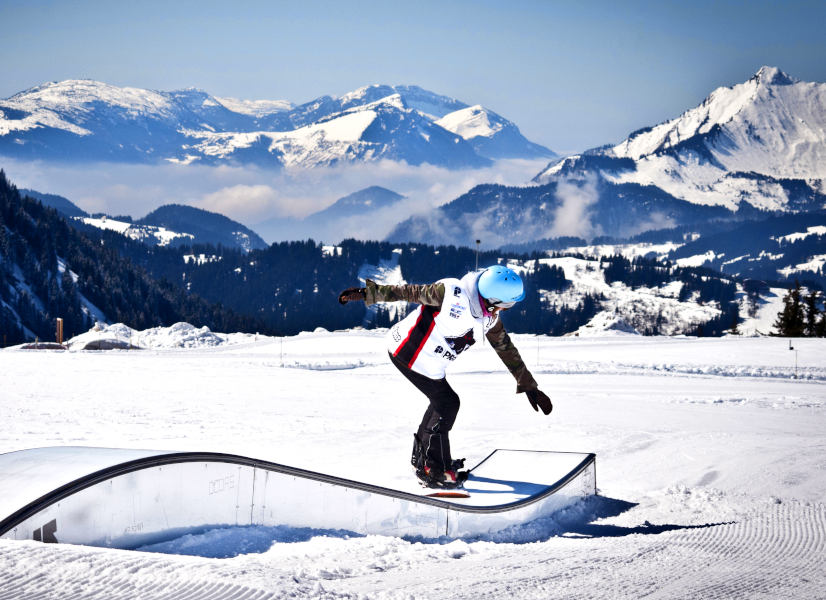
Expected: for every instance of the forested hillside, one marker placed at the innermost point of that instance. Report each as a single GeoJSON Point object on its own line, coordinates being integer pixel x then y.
{"type": "Point", "coordinates": [293, 286]}
{"type": "Point", "coordinates": [48, 269]}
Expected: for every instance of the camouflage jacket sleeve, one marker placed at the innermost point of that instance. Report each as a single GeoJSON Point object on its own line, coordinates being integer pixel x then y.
{"type": "Point", "coordinates": [501, 342]}
{"type": "Point", "coordinates": [431, 294]}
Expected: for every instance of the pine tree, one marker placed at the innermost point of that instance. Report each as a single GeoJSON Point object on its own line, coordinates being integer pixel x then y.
{"type": "Point", "coordinates": [791, 320]}
{"type": "Point", "coordinates": [735, 321]}
{"type": "Point", "coordinates": [812, 312]}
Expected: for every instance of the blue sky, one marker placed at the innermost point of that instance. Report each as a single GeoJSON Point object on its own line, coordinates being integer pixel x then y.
{"type": "Point", "coordinates": [572, 75]}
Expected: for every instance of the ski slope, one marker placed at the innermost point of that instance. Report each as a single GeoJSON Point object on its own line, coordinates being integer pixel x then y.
{"type": "Point", "coordinates": [711, 468]}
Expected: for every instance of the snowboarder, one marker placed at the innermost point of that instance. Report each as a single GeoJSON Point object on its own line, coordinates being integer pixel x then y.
{"type": "Point", "coordinates": [422, 345]}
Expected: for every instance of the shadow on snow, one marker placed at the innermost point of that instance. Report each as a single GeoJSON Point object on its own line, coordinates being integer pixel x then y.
{"type": "Point", "coordinates": [576, 521]}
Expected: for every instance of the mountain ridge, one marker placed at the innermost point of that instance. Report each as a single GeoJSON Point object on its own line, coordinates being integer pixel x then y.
{"type": "Point", "coordinates": [734, 147]}
{"type": "Point", "coordinates": [751, 148]}
{"type": "Point", "coordinates": [77, 120]}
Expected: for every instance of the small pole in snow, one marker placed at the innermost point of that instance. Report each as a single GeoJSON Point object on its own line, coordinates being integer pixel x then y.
{"type": "Point", "coordinates": [795, 358]}
{"type": "Point", "coordinates": [477, 254]}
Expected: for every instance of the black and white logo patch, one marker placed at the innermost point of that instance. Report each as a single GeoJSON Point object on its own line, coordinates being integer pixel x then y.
{"type": "Point", "coordinates": [459, 344]}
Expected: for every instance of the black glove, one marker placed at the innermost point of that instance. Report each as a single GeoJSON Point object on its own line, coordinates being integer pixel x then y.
{"type": "Point", "coordinates": [351, 294]}
{"type": "Point", "coordinates": [539, 400]}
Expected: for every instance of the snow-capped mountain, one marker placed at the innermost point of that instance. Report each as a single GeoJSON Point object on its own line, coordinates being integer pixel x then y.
{"type": "Point", "coordinates": [761, 143]}
{"type": "Point", "coordinates": [490, 134]}
{"type": "Point", "coordinates": [755, 147]}
{"type": "Point", "coordinates": [89, 120]}
{"type": "Point", "coordinates": [384, 129]}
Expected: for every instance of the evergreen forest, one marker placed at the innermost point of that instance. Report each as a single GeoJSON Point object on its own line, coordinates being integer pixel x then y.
{"type": "Point", "coordinates": [51, 267]}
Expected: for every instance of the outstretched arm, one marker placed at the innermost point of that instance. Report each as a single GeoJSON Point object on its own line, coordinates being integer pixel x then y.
{"type": "Point", "coordinates": [501, 342]}
{"type": "Point", "coordinates": [431, 294]}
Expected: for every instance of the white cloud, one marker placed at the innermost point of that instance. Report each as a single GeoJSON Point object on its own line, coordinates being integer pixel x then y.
{"type": "Point", "coordinates": [253, 195]}
{"type": "Point", "coordinates": [573, 217]}
{"type": "Point", "coordinates": [246, 202]}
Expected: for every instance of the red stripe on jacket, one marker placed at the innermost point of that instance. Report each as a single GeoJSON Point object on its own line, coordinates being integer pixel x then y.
{"type": "Point", "coordinates": [426, 337]}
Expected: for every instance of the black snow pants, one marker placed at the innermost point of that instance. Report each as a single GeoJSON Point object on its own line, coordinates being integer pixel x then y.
{"type": "Point", "coordinates": [432, 436]}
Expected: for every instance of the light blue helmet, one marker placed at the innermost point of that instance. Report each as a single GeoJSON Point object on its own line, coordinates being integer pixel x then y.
{"type": "Point", "coordinates": [500, 286]}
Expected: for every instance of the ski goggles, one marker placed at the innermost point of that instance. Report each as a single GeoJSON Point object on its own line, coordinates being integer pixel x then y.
{"type": "Point", "coordinates": [496, 303]}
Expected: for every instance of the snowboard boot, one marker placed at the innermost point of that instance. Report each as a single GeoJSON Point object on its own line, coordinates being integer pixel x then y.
{"type": "Point", "coordinates": [417, 457]}
{"type": "Point", "coordinates": [432, 477]}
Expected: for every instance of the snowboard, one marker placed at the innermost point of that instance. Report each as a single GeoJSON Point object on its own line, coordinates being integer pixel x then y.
{"type": "Point", "coordinates": [454, 493]}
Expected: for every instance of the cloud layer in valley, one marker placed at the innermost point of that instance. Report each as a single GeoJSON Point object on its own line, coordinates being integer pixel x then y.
{"type": "Point", "coordinates": [253, 196]}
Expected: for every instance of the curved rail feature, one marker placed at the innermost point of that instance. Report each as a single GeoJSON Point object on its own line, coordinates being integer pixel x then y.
{"type": "Point", "coordinates": [128, 498]}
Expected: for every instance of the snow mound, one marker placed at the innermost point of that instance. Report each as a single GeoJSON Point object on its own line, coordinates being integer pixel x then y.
{"type": "Point", "coordinates": [105, 337]}
{"type": "Point", "coordinates": [605, 323]}
{"type": "Point", "coordinates": [179, 335]}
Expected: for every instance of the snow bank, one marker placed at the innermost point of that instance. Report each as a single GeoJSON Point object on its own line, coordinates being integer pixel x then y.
{"type": "Point", "coordinates": [712, 472]}
{"type": "Point", "coordinates": [179, 335]}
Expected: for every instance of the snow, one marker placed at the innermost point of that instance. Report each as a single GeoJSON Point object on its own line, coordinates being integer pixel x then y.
{"type": "Point", "coordinates": [387, 272]}
{"type": "Point", "coordinates": [470, 122]}
{"type": "Point", "coordinates": [760, 321]}
{"type": "Point", "coordinates": [255, 108]}
{"type": "Point", "coordinates": [710, 465]}
{"type": "Point", "coordinates": [77, 99]}
{"type": "Point", "coordinates": [639, 308]}
{"type": "Point", "coordinates": [814, 264]}
{"type": "Point", "coordinates": [698, 260]}
{"type": "Point", "coordinates": [179, 335]}
{"type": "Point", "coordinates": [770, 125]}
{"type": "Point", "coordinates": [80, 94]}
{"type": "Point", "coordinates": [195, 127]}
{"type": "Point", "coordinates": [200, 259]}
{"type": "Point", "coordinates": [555, 167]}
{"type": "Point", "coordinates": [721, 106]}
{"type": "Point", "coordinates": [87, 306]}
{"type": "Point", "coordinates": [629, 251]}
{"type": "Point", "coordinates": [162, 236]}
{"type": "Point", "coordinates": [106, 223]}
{"type": "Point", "coordinates": [312, 145]}
{"type": "Point", "coordinates": [605, 323]}
{"type": "Point", "coordinates": [796, 237]}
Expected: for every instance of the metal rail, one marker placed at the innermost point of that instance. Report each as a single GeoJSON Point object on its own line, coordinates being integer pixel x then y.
{"type": "Point", "coordinates": [64, 491]}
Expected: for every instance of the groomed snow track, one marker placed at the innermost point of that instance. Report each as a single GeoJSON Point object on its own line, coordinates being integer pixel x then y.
{"type": "Point", "coordinates": [128, 498]}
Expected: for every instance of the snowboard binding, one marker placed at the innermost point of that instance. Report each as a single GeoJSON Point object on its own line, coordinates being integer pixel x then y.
{"type": "Point", "coordinates": [432, 476]}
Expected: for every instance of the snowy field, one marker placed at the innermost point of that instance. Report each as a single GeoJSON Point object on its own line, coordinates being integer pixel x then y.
{"type": "Point", "coordinates": [711, 464]}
